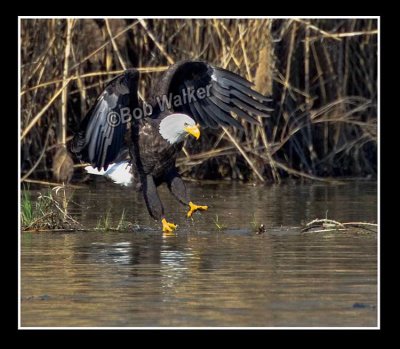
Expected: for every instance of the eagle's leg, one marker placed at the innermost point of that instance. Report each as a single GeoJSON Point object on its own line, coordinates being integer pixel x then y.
{"type": "Point", "coordinates": [154, 205]}
{"type": "Point", "coordinates": [178, 189]}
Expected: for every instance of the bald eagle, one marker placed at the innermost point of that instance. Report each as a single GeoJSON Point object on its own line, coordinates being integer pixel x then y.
{"type": "Point", "coordinates": [136, 144]}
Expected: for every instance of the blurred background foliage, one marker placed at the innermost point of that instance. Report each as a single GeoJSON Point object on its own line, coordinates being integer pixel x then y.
{"type": "Point", "coordinates": [320, 73]}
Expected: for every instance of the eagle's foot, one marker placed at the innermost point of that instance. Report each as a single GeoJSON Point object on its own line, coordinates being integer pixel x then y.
{"type": "Point", "coordinates": [167, 227]}
{"type": "Point", "coordinates": [194, 208]}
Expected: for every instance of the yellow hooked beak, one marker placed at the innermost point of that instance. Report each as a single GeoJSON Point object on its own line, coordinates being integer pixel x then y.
{"type": "Point", "coordinates": [193, 130]}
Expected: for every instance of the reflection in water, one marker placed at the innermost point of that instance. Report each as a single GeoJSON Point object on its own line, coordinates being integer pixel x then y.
{"type": "Point", "coordinates": [173, 267]}
{"type": "Point", "coordinates": [205, 276]}
{"type": "Point", "coordinates": [119, 252]}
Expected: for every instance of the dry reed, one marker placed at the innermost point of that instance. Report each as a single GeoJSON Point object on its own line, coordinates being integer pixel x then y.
{"type": "Point", "coordinates": [320, 73]}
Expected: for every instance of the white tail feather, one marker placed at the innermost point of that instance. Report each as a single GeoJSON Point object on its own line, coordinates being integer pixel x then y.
{"type": "Point", "coordinates": [119, 173]}
{"type": "Point", "coordinates": [91, 170]}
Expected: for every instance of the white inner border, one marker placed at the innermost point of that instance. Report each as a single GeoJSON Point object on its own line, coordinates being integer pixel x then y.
{"type": "Point", "coordinates": [195, 17]}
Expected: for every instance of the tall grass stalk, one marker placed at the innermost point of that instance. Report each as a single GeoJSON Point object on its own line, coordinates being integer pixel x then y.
{"type": "Point", "coordinates": [320, 73]}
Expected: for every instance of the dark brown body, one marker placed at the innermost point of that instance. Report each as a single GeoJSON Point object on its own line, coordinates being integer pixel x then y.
{"type": "Point", "coordinates": [146, 140]}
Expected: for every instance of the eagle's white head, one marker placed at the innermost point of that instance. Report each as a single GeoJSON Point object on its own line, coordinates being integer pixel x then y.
{"type": "Point", "coordinates": [175, 127]}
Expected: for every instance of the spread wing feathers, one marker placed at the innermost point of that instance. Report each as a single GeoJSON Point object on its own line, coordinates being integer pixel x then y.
{"type": "Point", "coordinates": [223, 93]}
{"type": "Point", "coordinates": [102, 132]}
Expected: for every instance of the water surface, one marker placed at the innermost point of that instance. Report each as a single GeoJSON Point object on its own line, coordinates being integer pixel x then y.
{"type": "Point", "coordinates": [216, 271]}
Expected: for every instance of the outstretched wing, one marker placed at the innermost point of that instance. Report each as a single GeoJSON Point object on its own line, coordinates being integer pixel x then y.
{"type": "Point", "coordinates": [210, 95]}
{"type": "Point", "coordinates": [102, 132]}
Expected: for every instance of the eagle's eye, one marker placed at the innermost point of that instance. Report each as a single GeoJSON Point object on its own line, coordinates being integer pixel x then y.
{"type": "Point", "coordinates": [185, 124]}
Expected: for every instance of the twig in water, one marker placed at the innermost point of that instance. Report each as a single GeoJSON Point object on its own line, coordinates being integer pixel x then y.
{"type": "Point", "coordinates": [332, 225]}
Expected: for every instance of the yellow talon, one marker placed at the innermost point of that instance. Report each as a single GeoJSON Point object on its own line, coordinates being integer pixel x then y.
{"type": "Point", "coordinates": [168, 227]}
{"type": "Point", "coordinates": [194, 208]}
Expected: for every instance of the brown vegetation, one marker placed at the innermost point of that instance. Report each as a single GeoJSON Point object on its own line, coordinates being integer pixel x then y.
{"type": "Point", "coordinates": [321, 74]}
